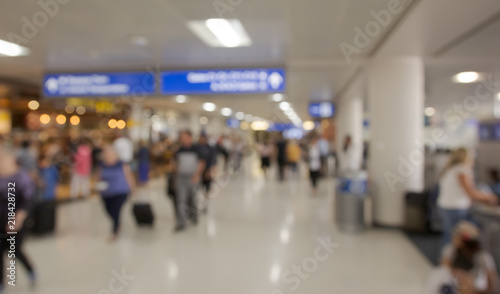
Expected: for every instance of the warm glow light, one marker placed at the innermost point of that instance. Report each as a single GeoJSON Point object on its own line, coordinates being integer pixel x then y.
{"type": "Point", "coordinates": [80, 110]}
{"type": "Point", "coordinates": [61, 119]}
{"type": "Point", "coordinates": [466, 77]}
{"type": "Point", "coordinates": [498, 96]}
{"type": "Point", "coordinates": [121, 124]}
{"type": "Point", "coordinates": [33, 105]}
{"type": "Point", "coordinates": [261, 125]}
{"type": "Point", "coordinates": [429, 111]}
{"type": "Point", "coordinates": [112, 123]}
{"type": "Point", "coordinates": [69, 109]}
{"type": "Point", "coordinates": [45, 119]}
{"type": "Point", "coordinates": [244, 125]}
{"type": "Point", "coordinates": [308, 125]}
{"type": "Point", "coordinates": [74, 120]}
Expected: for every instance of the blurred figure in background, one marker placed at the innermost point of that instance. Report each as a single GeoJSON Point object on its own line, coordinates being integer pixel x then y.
{"type": "Point", "coordinates": [457, 191]}
{"type": "Point", "coordinates": [495, 182]}
{"type": "Point", "coordinates": [238, 146]}
{"type": "Point", "coordinates": [281, 156]}
{"type": "Point", "coordinates": [324, 149]}
{"type": "Point", "coordinates": [265, 152]}
{"type": "Point", "coordinates": [143, 159]}
{"type": "Point", "coordinates": [116, 182]}
{"type": "Point", "coordinates": [82, 168]}
{"type": "Point", "coordinates": [209, 155]}
{"type": "Point", "coordinates": [49, 172]}
{"type": "Point", "coordinates": [314, 159]}
{"type": "Point", "coordinates": [189, 166]}
{"type": "Point", "coordinates": [293, 154]}
{"type": "Point", "coordinates": [347, 157]}
{"type": "Point", "coordinates": [17, 182]}
{"type": "Point", "coordinates": [27, 160]}
{"type": "Point", "coordinates": [124, 148]}
{"type": "Point", "coordinates": [222, 150]}
{"type": "Point", "coordinates": [466, 249]}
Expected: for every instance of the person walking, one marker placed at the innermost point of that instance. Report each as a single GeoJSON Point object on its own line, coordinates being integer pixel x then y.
{"type": "Point", "coordinates": [209, 155]}
{"type": "Point", "coordinates": [117, 182]}
{"type": "Point", "coordinates": [17, 190]}
{"type": "Point", "coordinates": [265, 152]}
{"type": "Point", "coordinates": [293, 154]}
{"type": "Point", "coordinates": [281, 157]}
{"type": "Point", "coordinates": [189, 166]}
{"type": "Point", "coordinates": [80, 180]}
{"type": "Point", "coordinates": [314, 159]}
{"type": "Point", "coordinates": [457, 192]}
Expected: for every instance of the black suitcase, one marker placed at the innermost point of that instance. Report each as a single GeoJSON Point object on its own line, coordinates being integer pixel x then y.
{"type": "Point", "coordinates": [417, 212]}
{"type": "Point", "coordinates": [44, 217]}
{"type": "Point", "coordinates": [143, 214]}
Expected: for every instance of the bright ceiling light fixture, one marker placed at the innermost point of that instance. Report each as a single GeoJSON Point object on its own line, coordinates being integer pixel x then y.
{"type": "Point", "coordinates": [226, 111]}
{"type": "Point", "coordinates": [284, 105]}
{"type": "Point", "coordinates": [308, 125]}
{"type": "Point", "coordinates": [209, 106]}
{"type": "Point", "coordinates": [240, 115]}
{"type": "Point", "coordinates": [12, 50]}
{"type": "Point", "coordinates": [498, 96]}
{"type": "Point", "coordinates": [181, 99]}
{"type": "Point", "coordinates": [430, 111]}
{"type": "Point", "coordinates": [466, 77]}
{"type": "Point", "coordinates": [277, 97]}
{"type": "Point", "coordinates": [249, 118]}
{"type": "Point", "coordinates": [219, 32]}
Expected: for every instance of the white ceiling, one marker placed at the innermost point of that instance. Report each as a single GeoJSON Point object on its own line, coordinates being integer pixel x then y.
{"type": "Point", "coordinates": [303, 36]}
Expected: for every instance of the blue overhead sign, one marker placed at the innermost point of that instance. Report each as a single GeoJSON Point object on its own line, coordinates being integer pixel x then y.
{"type": "Point", "coordinates": [99, 84]}
{"type": "Point", "coordinates": [230, 81]}
{"type": "Point", "coordinates": [322, 109]}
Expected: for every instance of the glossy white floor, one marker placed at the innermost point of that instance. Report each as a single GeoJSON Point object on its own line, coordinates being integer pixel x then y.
{"type": "Point", "coordinates": [256, 230]}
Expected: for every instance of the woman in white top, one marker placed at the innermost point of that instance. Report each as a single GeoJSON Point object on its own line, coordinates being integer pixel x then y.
{"type": "Point", "coordinates": [347, 157]}
{"type": "Point", "coordinates": [457, 191]}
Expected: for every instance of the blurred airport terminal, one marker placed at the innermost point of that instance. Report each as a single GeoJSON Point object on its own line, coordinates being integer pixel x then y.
{"type": "Point", "coordinates": [250, 146]}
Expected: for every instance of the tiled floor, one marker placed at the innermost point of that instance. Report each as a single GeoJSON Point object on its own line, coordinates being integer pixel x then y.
{"type": "Point", "coordinates": [255, 235]}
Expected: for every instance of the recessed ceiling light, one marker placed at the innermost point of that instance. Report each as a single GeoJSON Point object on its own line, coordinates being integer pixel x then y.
{"type": "Point", "coordinates": [33, 105]}
{"type": "Point", "coordinates": [240, 115]}
{"type": "Point", "coordinates": [203, 120]}
{"type": "Point", "coordinates": [308, 125]}
{"type": "Point", "coordinates": [209, 106]}
{"type": "Point", "coordinates": [219, 32]}
{"type": "Point", "coordinates": [139, 40]}
{"type": "Point", "coordinates": [430, 111]}
{"type": "Point", "coordinates": [226, 111]}
{"type": "Point", "coordinates": [181, 99]}
{"type": "Point", "coordinates": [284, 105]}
{"type": "Point", "coordinates": [248, 117]}
{"type": "Point", "coordinates": [11, 49]}
{"type": "Point", "coordinates": [277, 97]}
{"type": "Point", "coordinates": [466, 77]}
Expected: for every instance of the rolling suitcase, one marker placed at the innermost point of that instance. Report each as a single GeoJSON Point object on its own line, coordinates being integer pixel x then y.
{"type": "Point", "coordinates": [44, 217]}
{"type": "Point", "coordinates": [143, 214]}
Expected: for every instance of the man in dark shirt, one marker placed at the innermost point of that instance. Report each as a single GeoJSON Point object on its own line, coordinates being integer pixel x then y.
{"type": "Point", "coordinates": [189, 166]}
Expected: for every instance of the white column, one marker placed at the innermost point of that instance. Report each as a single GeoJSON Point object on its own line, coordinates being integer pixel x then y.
{"type": "Point", "coordinates": [135, 122]}
{"type": "Point", "coordinates": [194, 124]}
{"type": "Point", "coordinates": [396, 100]}
{"type": "Point", "coordinates": [350, 123]}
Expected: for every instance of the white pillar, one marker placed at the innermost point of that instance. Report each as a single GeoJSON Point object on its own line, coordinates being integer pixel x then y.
{"type": "Point", "coordinates": [396, 100]}
{"type": "Point", "coordinates": [350, 122]}
{"type": "Point", "coordinates": [135, 122]}
{"type": "Point", "coordinates": [194, 124]}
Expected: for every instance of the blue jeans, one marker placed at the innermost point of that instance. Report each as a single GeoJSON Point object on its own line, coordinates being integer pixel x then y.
{"type": "Point", "coordinates": [450, 218]}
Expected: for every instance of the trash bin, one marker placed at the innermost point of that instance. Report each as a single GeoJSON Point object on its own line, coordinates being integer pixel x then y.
{"type": "Point", "coordinates": [350, 202]}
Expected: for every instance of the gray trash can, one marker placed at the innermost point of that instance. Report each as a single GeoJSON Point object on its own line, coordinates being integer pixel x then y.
{"type": "Point", "coordinates": [350, 202]}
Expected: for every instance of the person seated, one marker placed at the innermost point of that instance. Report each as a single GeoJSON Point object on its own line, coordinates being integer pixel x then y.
{"type": "Point", "coordinates": [466, 254]}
